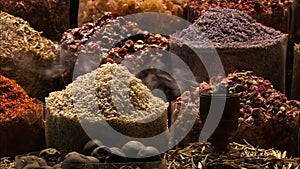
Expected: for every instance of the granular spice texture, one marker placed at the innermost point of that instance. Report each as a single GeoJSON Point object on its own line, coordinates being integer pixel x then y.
{"type": "Point", "coordinates": [110, 93]}
{"type": "Point", "coordinates": [272, 13]}
{"type": "Point", "coordinates": [49, 16]}
{"type": "Point", "coordinates": [27, 57]}
{"type": "Point", "coordinates": [239, 41]}
{"type": "Point", "coordinates": [20, 119]}
{"type": "Point", "coordinates": [15, 104]}
{"type": "Point", "coordinates": [226, 26]}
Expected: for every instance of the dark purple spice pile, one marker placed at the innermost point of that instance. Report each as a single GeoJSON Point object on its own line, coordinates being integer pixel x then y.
{"type": "Point", "coordinates": [267, 117]}
{"type": "Point", "coordinates": [272, 13]}
{"type": "Point", "coordinates": [225, 26]}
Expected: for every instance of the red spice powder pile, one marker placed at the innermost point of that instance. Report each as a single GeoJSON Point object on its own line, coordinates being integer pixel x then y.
{"type": "Point", "coordinates": [15, 104]}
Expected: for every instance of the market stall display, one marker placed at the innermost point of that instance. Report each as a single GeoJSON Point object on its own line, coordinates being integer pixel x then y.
{"type": "Point", "coordinates": [21, 119]}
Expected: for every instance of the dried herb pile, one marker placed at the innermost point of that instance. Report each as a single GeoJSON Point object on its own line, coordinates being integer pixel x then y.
{"type": "Point", "coordinates": [267, 117]}
{"type": "Point", "coordinates": [18, 39]}
{"type": "Point", "coordinates": [272, 13]}
{"type": "Point", "coordinates": [15, 105]}
{"type": "Point", "coordinates": [91, 10]}
{"type": "Point", "coordinates": [228, 27]}
{"type": "Point", "coordinates": [51, 16]}
{"type": "Point", "coordinates": [7, 163]}
{"type": "Point", "coordinates": [240, 156]}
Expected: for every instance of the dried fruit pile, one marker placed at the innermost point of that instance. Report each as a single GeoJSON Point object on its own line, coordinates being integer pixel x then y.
{"type": "Point", "coordinates": [272, 13]}
{"type": "Point", "coordinates": [90, 10]}
{"type": "Point", "coordinates": [267, 117]}
{"type": "Point", "coordinates": [51, 16]}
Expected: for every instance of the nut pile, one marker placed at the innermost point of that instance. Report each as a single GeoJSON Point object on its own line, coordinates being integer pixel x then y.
{"type": "Point", "coordinates": [267, 117]}
{"type": "Point", "coordinates": [226, 27]}
{"type": "Point", "coordinates": [272, 13]}
{"type": "Point", "coordinates": [90, 10]}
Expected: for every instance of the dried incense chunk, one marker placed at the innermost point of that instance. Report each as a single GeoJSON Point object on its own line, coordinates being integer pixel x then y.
{"type": "Point", "coordinates": [18, 38]}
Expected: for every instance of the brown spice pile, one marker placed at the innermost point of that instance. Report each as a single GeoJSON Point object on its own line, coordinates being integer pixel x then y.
{"type": "Point", "coordinates": [15, 103]}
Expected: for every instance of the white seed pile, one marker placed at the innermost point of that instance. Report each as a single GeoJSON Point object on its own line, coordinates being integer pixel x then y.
{"type": "Point", "coordinates": [111, 91]}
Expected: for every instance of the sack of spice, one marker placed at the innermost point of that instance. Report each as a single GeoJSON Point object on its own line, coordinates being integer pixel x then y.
{"type": "Point", "coordinates": [28, 58]}
{"type": "Point", "coordinates": [91, 10]}
{"type": "Point", "coordinates": [296, 73]}
{"type": "Point", "coordinates": [21, 120]}
{"type": "Point", "coordinates": [77, 113]}
{"type": "Point", "coordinates": [272, 13]}
{"type": "Point", "coordinates": [240, 41]}
{"type": "Point", "coordinates": [49, 16]}
{"type": "Point", "coordinates": [267, 118]}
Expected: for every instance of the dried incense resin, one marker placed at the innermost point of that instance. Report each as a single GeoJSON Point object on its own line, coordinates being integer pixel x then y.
{"type": "Point", "coordinates": [267, 118]}
{"type": "Point", "coordinates": [272, 13]}
{"type": "Point", "coordinates": [239, 41]}
{"type": "Point", "coordinates": [51, 16]}
{"type": "Point", "coordinates": [20, 119]}
{"type": "Point", "coordinates": [91, 10]}
{"type": "Point", "coordinates": [120, 99]}
{"type": "Point", "coordinates": [27, 57]}
{"type": "Point", "coordinates": [199, 155]}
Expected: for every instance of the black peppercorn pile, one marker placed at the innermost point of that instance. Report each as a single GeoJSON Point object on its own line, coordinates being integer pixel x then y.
{"type": "Point", "coordinates": [226, 27]}
{"type": "Point", "coordinates": [267, 117]}
{"type": "Point", "coordinates": [273, 13]}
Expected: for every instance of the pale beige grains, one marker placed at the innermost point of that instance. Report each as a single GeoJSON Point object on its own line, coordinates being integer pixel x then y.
{"type": "Point", "coordinates": [110, 93]}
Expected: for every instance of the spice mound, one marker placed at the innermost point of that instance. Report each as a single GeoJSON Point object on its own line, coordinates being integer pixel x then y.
{"type": "Point", "coordinates": [108, 97]}
{"type": "Point", "coordinates": [271, 13]}
{"type": "Point", "coordinates": [225, 26]}
{"type": "Point", "coordinates": [27, 57]}
{"type": "Point", "coordinates": [267, 118]}
{"type": "Point", "coordinates": [20, 119]}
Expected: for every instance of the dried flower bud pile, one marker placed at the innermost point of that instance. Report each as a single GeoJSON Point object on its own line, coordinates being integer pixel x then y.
{"type": "Point", "coordinates": [267, 117]}
{"type": "Point", "coordinates": [51, 16]}
{"type": "Point", "coordinates": [112, 84]}
{"type": "Point", "coordinates": [91, 10]}
{"type": "Point", "coordinates": [272, 13]}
